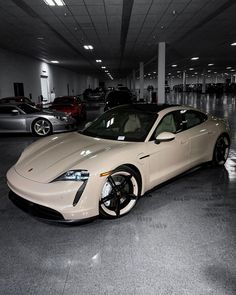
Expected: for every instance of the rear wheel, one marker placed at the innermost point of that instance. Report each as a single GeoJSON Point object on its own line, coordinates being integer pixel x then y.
{"type": "Point", "coordinates": [221, 150]}
{"type": "Point", "coordinates": [42, 127]}
{"type": "Point", "coordinates": [119, 193]}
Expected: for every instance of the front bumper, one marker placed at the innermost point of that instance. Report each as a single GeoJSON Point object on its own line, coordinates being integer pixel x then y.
{"type": "Point", "coordinates": [56, 196]}
{"type": "Point", "coordinates": [42, 212]}
{"type": "Point", "coordinates": [64, 127]}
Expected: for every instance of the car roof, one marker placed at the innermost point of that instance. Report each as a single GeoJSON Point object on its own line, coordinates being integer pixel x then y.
{"type": "Point", "coordinates": [149, 108]}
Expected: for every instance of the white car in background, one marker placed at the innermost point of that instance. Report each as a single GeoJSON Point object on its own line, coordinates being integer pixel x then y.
{"type": "Point", "coordinates": [104, 169]}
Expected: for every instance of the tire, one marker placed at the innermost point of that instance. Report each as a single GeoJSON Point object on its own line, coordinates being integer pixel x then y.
{"type": "Point", "coordinates": [221, 151]}
{"type": "Point", "coordinates": [41, 127]}
{"type": "Point", "coordinates": [120, 193]}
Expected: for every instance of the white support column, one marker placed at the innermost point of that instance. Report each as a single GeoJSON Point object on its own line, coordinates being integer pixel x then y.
{"type": "Point", "coordinates": [184, 81]}
{"type": "Point", "coordinates": [141, 80]}
{"type": "Point", "coordinates": [161, 72]}
{"type": "Point", "coordinates": [204, 82]}
{"type": "Point", "coordinates": [133, 80]}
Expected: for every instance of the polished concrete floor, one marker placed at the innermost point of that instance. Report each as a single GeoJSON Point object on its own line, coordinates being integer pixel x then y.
{"type": "Point", "coordinates": [179, 240]}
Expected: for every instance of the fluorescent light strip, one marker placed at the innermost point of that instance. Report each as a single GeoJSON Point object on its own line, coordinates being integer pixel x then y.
{"type": "Point", "coordinates": [98, 60]}
{"type": "Point", "coordinates": [49, 2]}
{"type": "Point", "coordinates": [195, 58]}
{"type": "Point", "coordinates": [233, 44]}
{"type": "Point", "coordinates": [59, 2]}
{"type": "Point", "coordinates": [88, 47]}
{"type": "Point", "coordinates": [55, 61]}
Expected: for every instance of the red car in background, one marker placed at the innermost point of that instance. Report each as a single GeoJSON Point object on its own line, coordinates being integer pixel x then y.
{"type": "Point", "coordinates": [71, 105]}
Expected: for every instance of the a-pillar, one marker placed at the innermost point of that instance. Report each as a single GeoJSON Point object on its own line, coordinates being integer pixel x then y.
{"type": "Point", "coordinates": [184, 81]}
{"type": "Point", "coordinates": [141, 80]}
{"type": "Point", "coordinates": [161, 72]}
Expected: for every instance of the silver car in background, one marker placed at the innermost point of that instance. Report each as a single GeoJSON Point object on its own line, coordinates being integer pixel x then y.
{"type": "Point", "coordinates": [20, 118]}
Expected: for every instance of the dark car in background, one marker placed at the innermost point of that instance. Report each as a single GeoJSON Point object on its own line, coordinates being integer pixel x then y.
{"type": "Point", "coordinates": [117, 97]}
{"type": "Point", "coordinates": [71, 105]}
{"type": "Point", "coordinates": [16, 99]}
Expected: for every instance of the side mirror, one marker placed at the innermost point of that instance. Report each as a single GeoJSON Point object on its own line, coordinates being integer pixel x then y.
{"type": "Point", "coordinates": [87, 124]}
{"type": "Point", "coordinates": [164, 136]}
{"type": "Point", "coordinates": [15, 112]}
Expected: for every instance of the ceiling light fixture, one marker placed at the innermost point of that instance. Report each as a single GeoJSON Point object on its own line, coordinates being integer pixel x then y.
{"type": "Point", "coordinates": [88, 47]}
{"type": "Point", "coordinates": [49, 2]}
{"type": "Point", "coordinates": [233, 44]}
{"type": "Point", "coordinates": [191, 69]}
{"type": "Point", "coordinates": [54, 61]}
{"type": "Point", "coordinates": [195, 58]}
{"type": "Point", "coordinates": [228, 68]}
{"type": "Point", "coordinates": [98, 60]}
{"type": "Point", "coordinates": [174, 66]}
{"type": "Point", "coordinates": [54, 2]}
{"type": "Point", "coordinates": [103, 67]}
{"type": "Point", "coordinates": [210, 65]}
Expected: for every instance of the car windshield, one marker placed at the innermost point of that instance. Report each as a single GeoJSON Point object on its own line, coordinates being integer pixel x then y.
{"type": "Point", "coordinates": [28, 109]}
{"type": "Point", "coordinates": [122, 124]}
{"type": "Point", "coordinates": [63, 100]}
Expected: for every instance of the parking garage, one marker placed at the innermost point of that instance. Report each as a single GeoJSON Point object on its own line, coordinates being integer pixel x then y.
{"type": "Point", "coordinates": [180, 237]}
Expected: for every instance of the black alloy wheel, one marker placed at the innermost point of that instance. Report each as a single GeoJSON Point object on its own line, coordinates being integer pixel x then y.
{"type": "Point", "coordinates": [120, 192]}
{"type": "Point", "coordinates": [221, 150]}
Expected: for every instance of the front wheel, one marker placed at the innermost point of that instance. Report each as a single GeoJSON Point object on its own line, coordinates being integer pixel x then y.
{"type": "Point", "coordinates": [119, 193]}
{"type": "Point", "coordinates": [221, 151]}
{"type": "Point", "coordinates": [41, 127]}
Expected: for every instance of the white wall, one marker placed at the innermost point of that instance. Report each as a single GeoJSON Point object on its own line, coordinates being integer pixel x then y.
{"type": "Point", "coordinates": [22, 69]}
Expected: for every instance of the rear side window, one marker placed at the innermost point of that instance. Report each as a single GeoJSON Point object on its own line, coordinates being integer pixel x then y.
{"type": "Point", "coordinates": [194, 118]}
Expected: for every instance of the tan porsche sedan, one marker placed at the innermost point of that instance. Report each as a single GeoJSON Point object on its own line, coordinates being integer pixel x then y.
{"type": "Point", "coordinates": [104, 169]}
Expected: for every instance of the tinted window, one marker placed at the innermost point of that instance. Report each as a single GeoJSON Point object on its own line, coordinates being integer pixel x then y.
{"type": "Point", "coordinates": [178, 121]}
{"type": "Point", "coordinates": [63, 100]}
{"type": "Point", "coordinates": [172, 122]}
{"type": "Point", "coordinates": [194, 118]}
{"type": "Point", "coordinates": [6, 110]}
{"type": "Point", "coordinates": [167, 124]}
{"type": "Point", "coordinates": [28, 109]}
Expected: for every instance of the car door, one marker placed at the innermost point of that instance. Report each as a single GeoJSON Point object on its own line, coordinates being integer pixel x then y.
{"type": "Point", "coordinates": [11, 121]}
{"type": "Point", "coordinates": [168, 159]}
{"type": "Point", "coordinates": [198, 135]}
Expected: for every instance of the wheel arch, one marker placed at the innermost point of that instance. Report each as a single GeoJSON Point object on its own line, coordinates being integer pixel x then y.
{"type": "Point", "coordinates": [135, 169]}
{"type": "Point", "coordinates": [39, 118]}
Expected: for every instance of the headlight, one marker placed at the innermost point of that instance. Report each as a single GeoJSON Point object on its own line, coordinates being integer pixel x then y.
{"type": "Point", "coordinates": [74, 175]}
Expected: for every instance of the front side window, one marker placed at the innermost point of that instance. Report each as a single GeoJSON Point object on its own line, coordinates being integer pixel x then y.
{"type": "Point", "coordinates": [172, 122]}
{"type": "Point", "coordinates": [194, 118]}
{"type": "Point", "coordinates": [7, 110]}
{"type": "Point", "coordinates": [28, 109]}
{"type": "Point", "coordinates": [126, 124]}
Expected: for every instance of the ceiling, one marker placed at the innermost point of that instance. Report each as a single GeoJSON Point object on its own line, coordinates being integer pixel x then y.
{"type": "Point", "coordinates": [123, 33]}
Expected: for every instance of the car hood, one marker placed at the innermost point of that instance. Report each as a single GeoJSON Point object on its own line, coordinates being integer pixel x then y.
{"type": "Point", "coordinates": [52, 113]}
{"type": "Point", "coordinates": [48, 158]}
